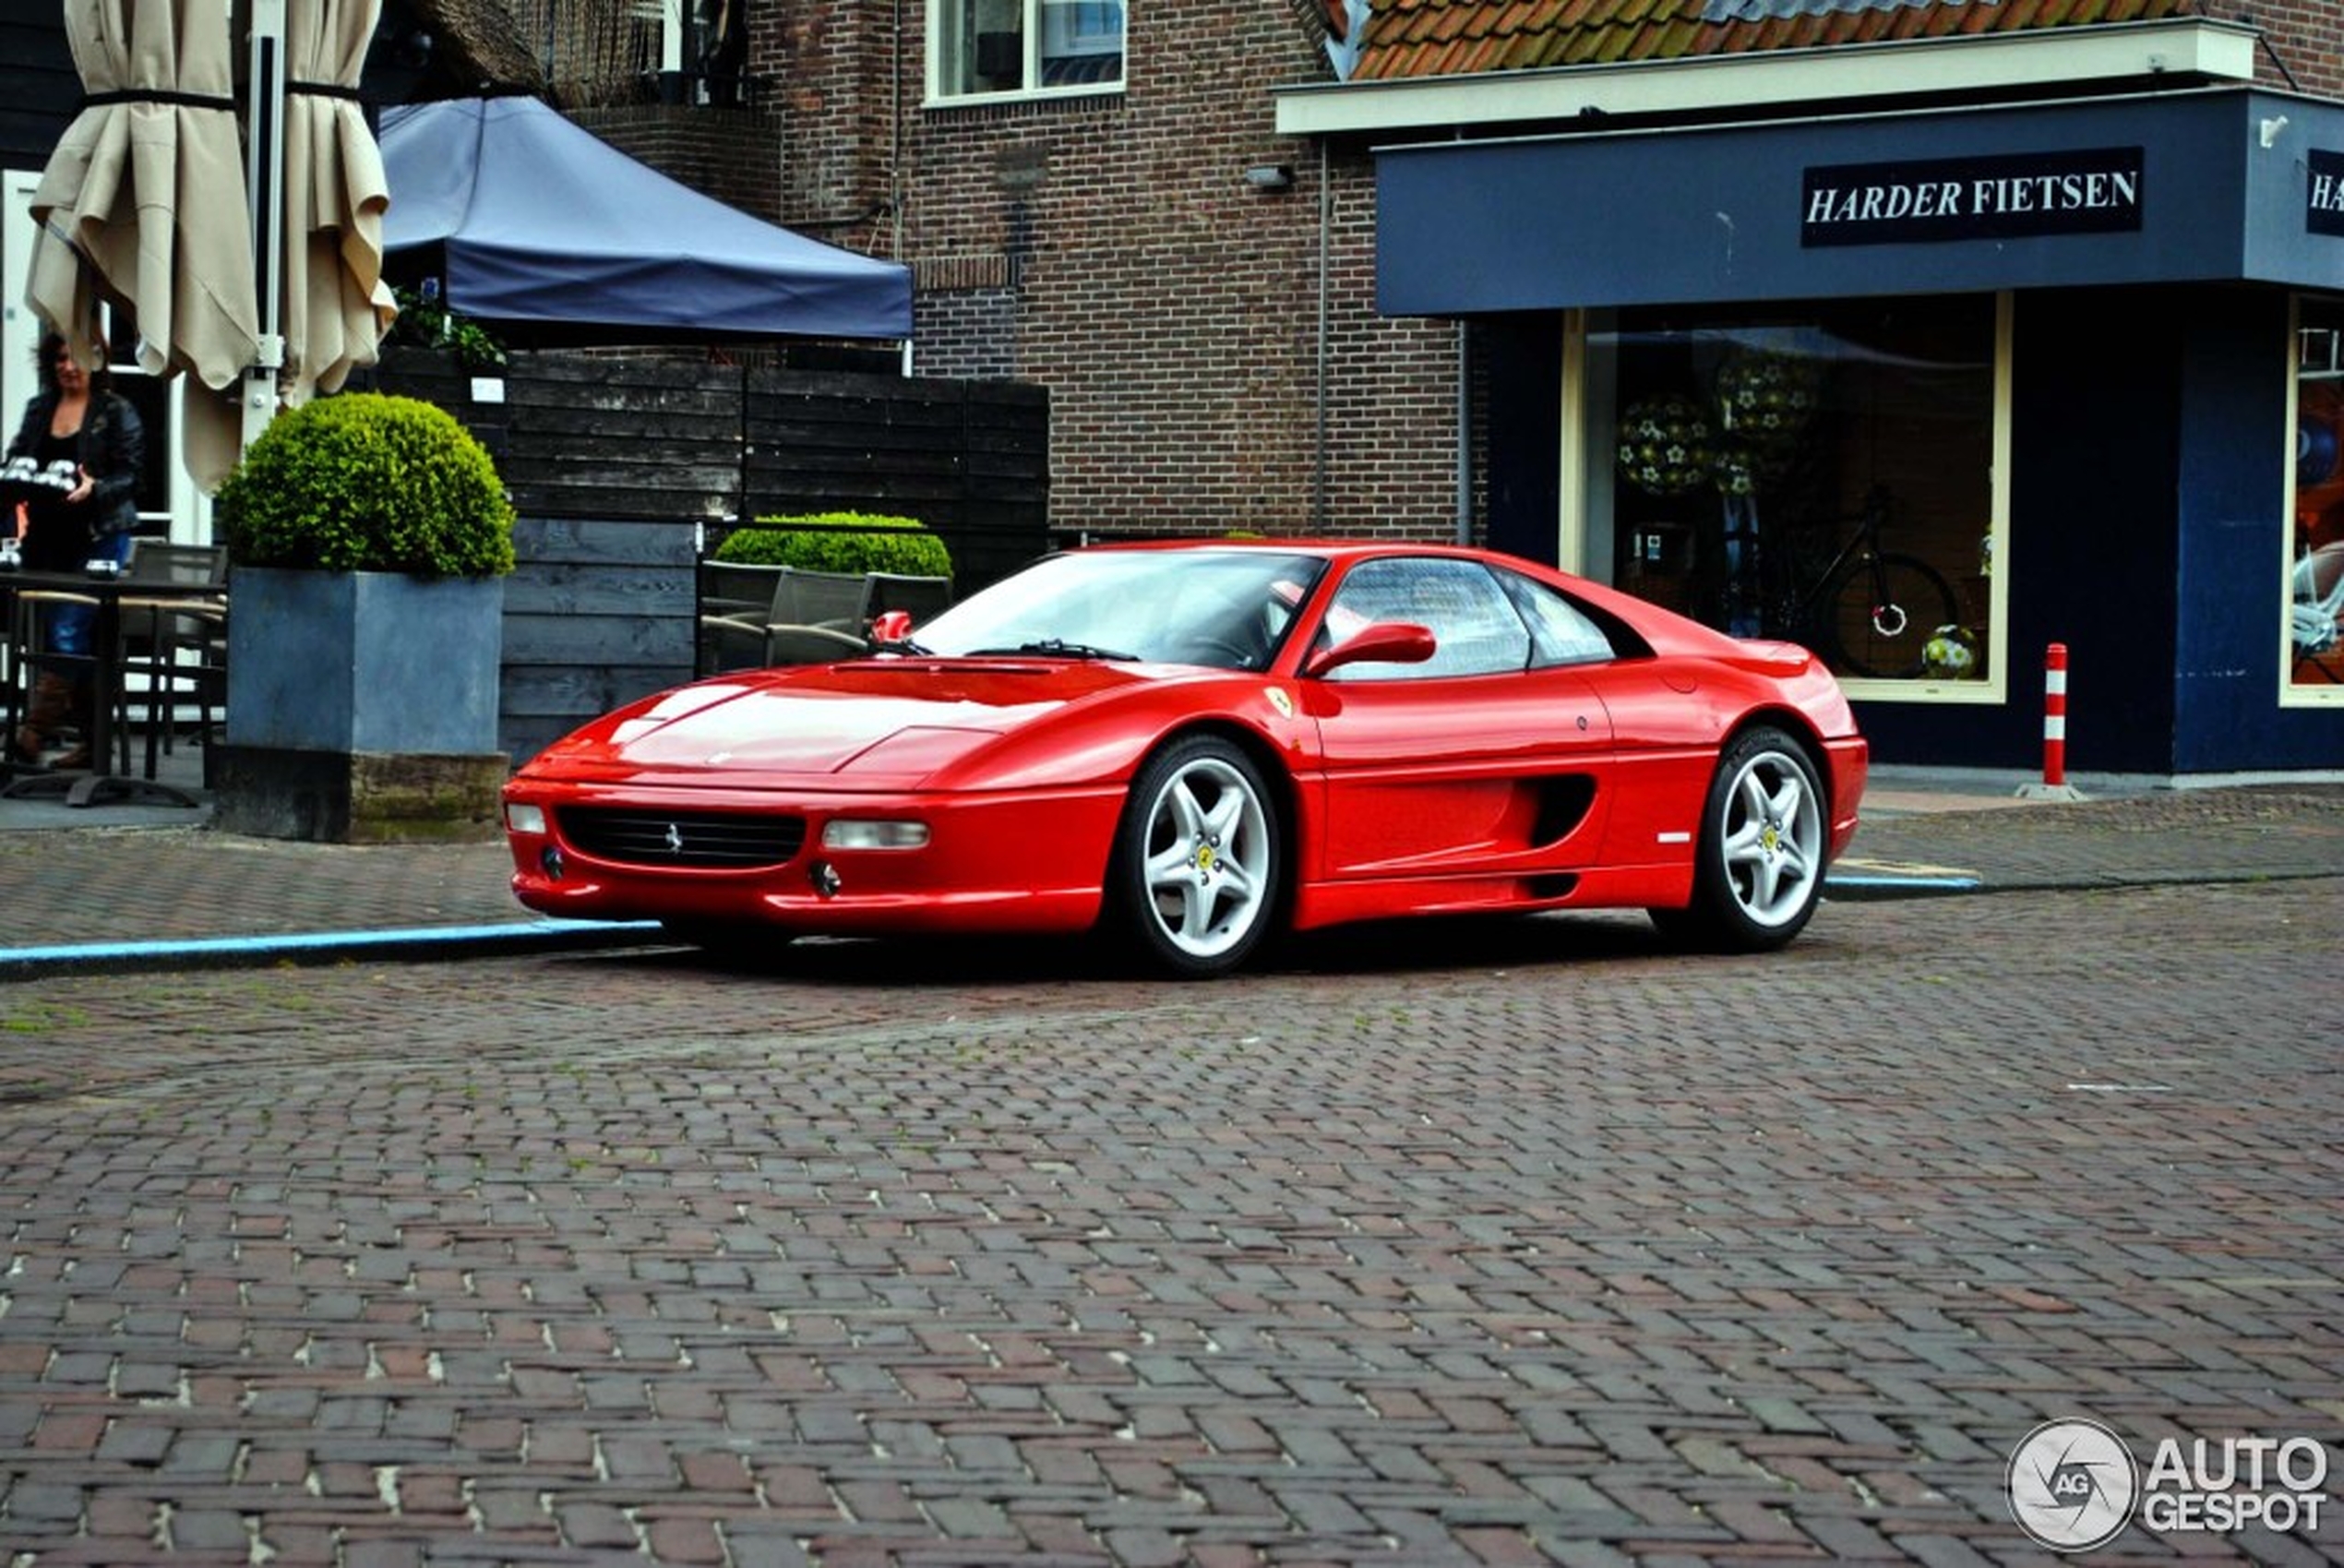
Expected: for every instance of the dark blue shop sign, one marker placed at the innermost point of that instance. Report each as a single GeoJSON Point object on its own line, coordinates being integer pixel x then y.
{"type": "Point", "coordinates": [2324, 204]}
{"type": "Point", "coordinates": [2097, 191]}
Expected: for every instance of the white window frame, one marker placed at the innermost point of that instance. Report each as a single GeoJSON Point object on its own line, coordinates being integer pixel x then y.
{"type": "Point", "coordinates": [1031, 17]}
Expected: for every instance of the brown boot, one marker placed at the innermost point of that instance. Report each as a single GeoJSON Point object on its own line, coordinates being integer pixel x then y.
{"type": "Point", "coordinates": [79, 707]}
{"type": "Point", "coordinates": [43, 712]}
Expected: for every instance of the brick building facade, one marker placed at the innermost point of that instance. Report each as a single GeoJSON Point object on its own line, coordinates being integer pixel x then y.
{"type": "Point", "coordinates": [1212, 348]}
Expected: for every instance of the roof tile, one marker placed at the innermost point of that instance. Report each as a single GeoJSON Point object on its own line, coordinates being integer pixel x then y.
{"type": "Point", "coordinates": [1426, 38]}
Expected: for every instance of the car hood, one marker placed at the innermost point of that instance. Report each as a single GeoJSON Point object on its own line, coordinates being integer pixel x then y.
{"type": "Point", "coordinates": [895, 716]}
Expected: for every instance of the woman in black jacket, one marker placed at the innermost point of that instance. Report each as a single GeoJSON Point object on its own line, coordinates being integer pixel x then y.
{"type": "Point", "coordinates": [87, 449]}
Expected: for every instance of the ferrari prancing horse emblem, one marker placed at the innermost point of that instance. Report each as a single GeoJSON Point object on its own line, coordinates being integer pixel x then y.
{"type": "Point", "coordinates": [1281, 701]}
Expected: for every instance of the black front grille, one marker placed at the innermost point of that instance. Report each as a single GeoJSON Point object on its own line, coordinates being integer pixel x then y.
{"type": "Point", "coordinates": [718, 840]}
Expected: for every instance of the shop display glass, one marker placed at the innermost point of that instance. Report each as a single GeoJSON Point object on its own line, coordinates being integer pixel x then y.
{"type": "Point", "coordinates": [1822, 473]}
{"type": "Point", "coordinates": [2315, 549]}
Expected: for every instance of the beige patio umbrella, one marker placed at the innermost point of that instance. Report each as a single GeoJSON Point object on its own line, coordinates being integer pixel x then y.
{"type": "Point", "coordinates": [258, 275]}
{"type": "Point", "coordinates": [144, 199]}
{"type": "Point", "coordinates": [336, 306]}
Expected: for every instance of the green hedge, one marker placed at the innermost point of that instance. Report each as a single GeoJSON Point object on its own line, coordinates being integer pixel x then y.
{"type": "Point", "coordinates": [367, 482]}
{"type": "Point", "coordinates": [849, 542]}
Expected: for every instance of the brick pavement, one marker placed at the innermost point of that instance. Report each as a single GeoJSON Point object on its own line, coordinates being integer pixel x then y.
{"type": "Point", "coordinates": [2264, 831]}
{"type": "Point", "coordinates": [1475, 1244]}
{"type": "Point", "coordinates": [161, 883]}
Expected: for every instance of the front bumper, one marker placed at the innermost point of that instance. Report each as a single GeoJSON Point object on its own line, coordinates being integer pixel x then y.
{"type": "Point", "coordinates": [1033, 861]}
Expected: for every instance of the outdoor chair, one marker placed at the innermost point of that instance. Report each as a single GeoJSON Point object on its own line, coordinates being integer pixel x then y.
{"type": "Point", "coordinates": [178, 646]}
{"type": "Point", "coordinates": [733, 595]}
{"type": "Point", "coordinates": [27, 609]}
{"type": "Point", "coordinates": [812, 617]}
{"type": "Point", "coordinates": [737, 588]}
{"type": "Point", "coordinates": [920, 597]}
{"type": "Point", "coordinates": [818, 617]}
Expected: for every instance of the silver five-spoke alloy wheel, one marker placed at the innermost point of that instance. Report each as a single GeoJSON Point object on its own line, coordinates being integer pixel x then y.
{"type": "Point", "coordinates": [1773, 838]}
{"type": "Point", "coordinates": [1202, 849]}
{"type": "Point", "coordinates": [1758, 869]}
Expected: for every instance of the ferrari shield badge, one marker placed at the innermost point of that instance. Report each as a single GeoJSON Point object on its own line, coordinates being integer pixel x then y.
{"type": "Point", "coordinates": [1281, 701]}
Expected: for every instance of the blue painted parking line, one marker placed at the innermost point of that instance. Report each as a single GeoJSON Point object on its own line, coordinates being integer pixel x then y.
{"type": "Point", "coordinates": [227, 952]}
{"type": "Point", "coordinates": [1898, 884]}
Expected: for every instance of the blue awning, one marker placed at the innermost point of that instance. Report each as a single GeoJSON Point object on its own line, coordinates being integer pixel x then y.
{"type": "Point", "coordinates": [540, 222]}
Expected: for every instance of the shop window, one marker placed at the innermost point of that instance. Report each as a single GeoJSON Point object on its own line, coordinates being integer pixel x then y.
{"type": "Point", "coordinates": [2315, 550]}
{"type": "Point", "coordinates": [1823, 473]}
{"type": "Point", "coordinates": [1003, 46]}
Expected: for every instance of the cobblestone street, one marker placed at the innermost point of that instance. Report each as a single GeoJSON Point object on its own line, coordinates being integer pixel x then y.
{"type": "Point", "coordinates": [1477, 1244]}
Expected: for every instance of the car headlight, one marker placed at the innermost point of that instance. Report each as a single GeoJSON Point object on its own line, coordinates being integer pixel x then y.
{"type": "Point", "coordinates": [848, 833]}
{"type": "Point", "coordinates": [522, 818]}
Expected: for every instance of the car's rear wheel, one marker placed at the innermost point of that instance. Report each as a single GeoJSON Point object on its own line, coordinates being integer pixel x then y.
{"type": "Point", "coordinates": [1195, 878]}
{"type": "Point", "coordinates": [1759, 866]}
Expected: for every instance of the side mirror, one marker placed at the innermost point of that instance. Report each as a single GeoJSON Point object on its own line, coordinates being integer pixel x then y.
{"type": "Point", "coordinates": [1385, 643]}
{"type": "Point", "coordinates": [891, 626]}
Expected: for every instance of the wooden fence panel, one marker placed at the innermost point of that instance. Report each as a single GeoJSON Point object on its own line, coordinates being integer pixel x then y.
{"type": "Point", "coordinates": [597, 613]}
{"type": "Point", "coordinates": [622, 467]}
{"type": "Point", "coordinates": [969, 458]}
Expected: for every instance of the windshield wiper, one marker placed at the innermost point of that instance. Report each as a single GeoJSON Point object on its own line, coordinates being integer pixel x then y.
{"type": "Point", "coordinates": [903, 645]}
{"type": "Point", "coordinates": [1058, 648]}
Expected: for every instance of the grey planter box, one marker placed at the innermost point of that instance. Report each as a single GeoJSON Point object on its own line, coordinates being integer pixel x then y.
{"type": "Point", "coordinates": [362, 707]}
{"type": "Point", "coordinates": [364, 661]}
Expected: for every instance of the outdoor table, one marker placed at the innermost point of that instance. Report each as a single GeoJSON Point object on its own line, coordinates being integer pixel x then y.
{"type": "Point", "coordinates": [99, 782]}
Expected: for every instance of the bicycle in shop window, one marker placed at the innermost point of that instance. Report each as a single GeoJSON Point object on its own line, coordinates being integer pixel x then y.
{"type": "Point", "coordinates": [1870, 611]}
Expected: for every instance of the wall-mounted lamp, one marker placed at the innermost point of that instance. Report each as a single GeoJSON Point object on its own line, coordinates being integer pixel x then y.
{"type": "Point", "coordinates": [2271, 127]}
{"type": "Point", "coordinates": [1269, 176]}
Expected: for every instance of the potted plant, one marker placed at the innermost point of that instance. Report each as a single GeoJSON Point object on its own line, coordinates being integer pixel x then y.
{"type": "Point", "coordinates": [840, 542]}
{"type": "Point", "coordinates": [368, 537]}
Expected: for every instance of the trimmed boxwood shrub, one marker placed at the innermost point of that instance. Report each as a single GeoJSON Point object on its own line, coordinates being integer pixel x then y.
{"type": "Point", "coordinates": [367, 482]}
{"type": "Point", "coordinates": [848, 542]}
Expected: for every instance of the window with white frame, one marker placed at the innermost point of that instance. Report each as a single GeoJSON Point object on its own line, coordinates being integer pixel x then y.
{"type": "Point", "coordinates": [980, 47]}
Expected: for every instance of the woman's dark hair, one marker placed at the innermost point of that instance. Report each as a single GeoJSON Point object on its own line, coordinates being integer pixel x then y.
{"type": "Point", "coordinates": [52, 345]}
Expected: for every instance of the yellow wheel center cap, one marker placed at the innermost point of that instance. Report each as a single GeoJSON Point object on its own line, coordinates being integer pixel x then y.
{"type": "Point", "coordinates": [1204, 858]}
{"type": "Point", "coordinates": [1771, 838]}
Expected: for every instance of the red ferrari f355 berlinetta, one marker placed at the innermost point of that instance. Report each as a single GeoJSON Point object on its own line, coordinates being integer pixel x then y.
{"type": "Point", "coordinates": [1195, 745]}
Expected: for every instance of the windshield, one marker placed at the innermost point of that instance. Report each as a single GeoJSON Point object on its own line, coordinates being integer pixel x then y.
{"type": "Point", "coordinates": [1226, 610]}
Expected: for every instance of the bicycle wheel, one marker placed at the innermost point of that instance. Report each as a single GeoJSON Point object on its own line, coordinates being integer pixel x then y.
{"type": "Point", "coordinates": [1879, 613]}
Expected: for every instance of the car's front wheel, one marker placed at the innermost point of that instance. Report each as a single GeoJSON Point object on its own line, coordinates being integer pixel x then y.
{"type": "Point", "coordinates": [1195, 878]}
{"type": "Point", "coordinates": [1759, 862]}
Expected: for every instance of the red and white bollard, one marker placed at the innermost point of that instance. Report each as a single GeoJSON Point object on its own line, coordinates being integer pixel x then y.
{"type": "Point", "coordinates": [2055, 785]}
{"type": "Point", "coordinates": [2056, 715]}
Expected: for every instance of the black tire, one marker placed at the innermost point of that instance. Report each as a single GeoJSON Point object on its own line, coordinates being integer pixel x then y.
{"type": "Point", "coordinates": [1879, 613]}
{"type": "Point", "coordinates": [1193, 882]}
{"type": "Point", "coordinates": [1758, 870]}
